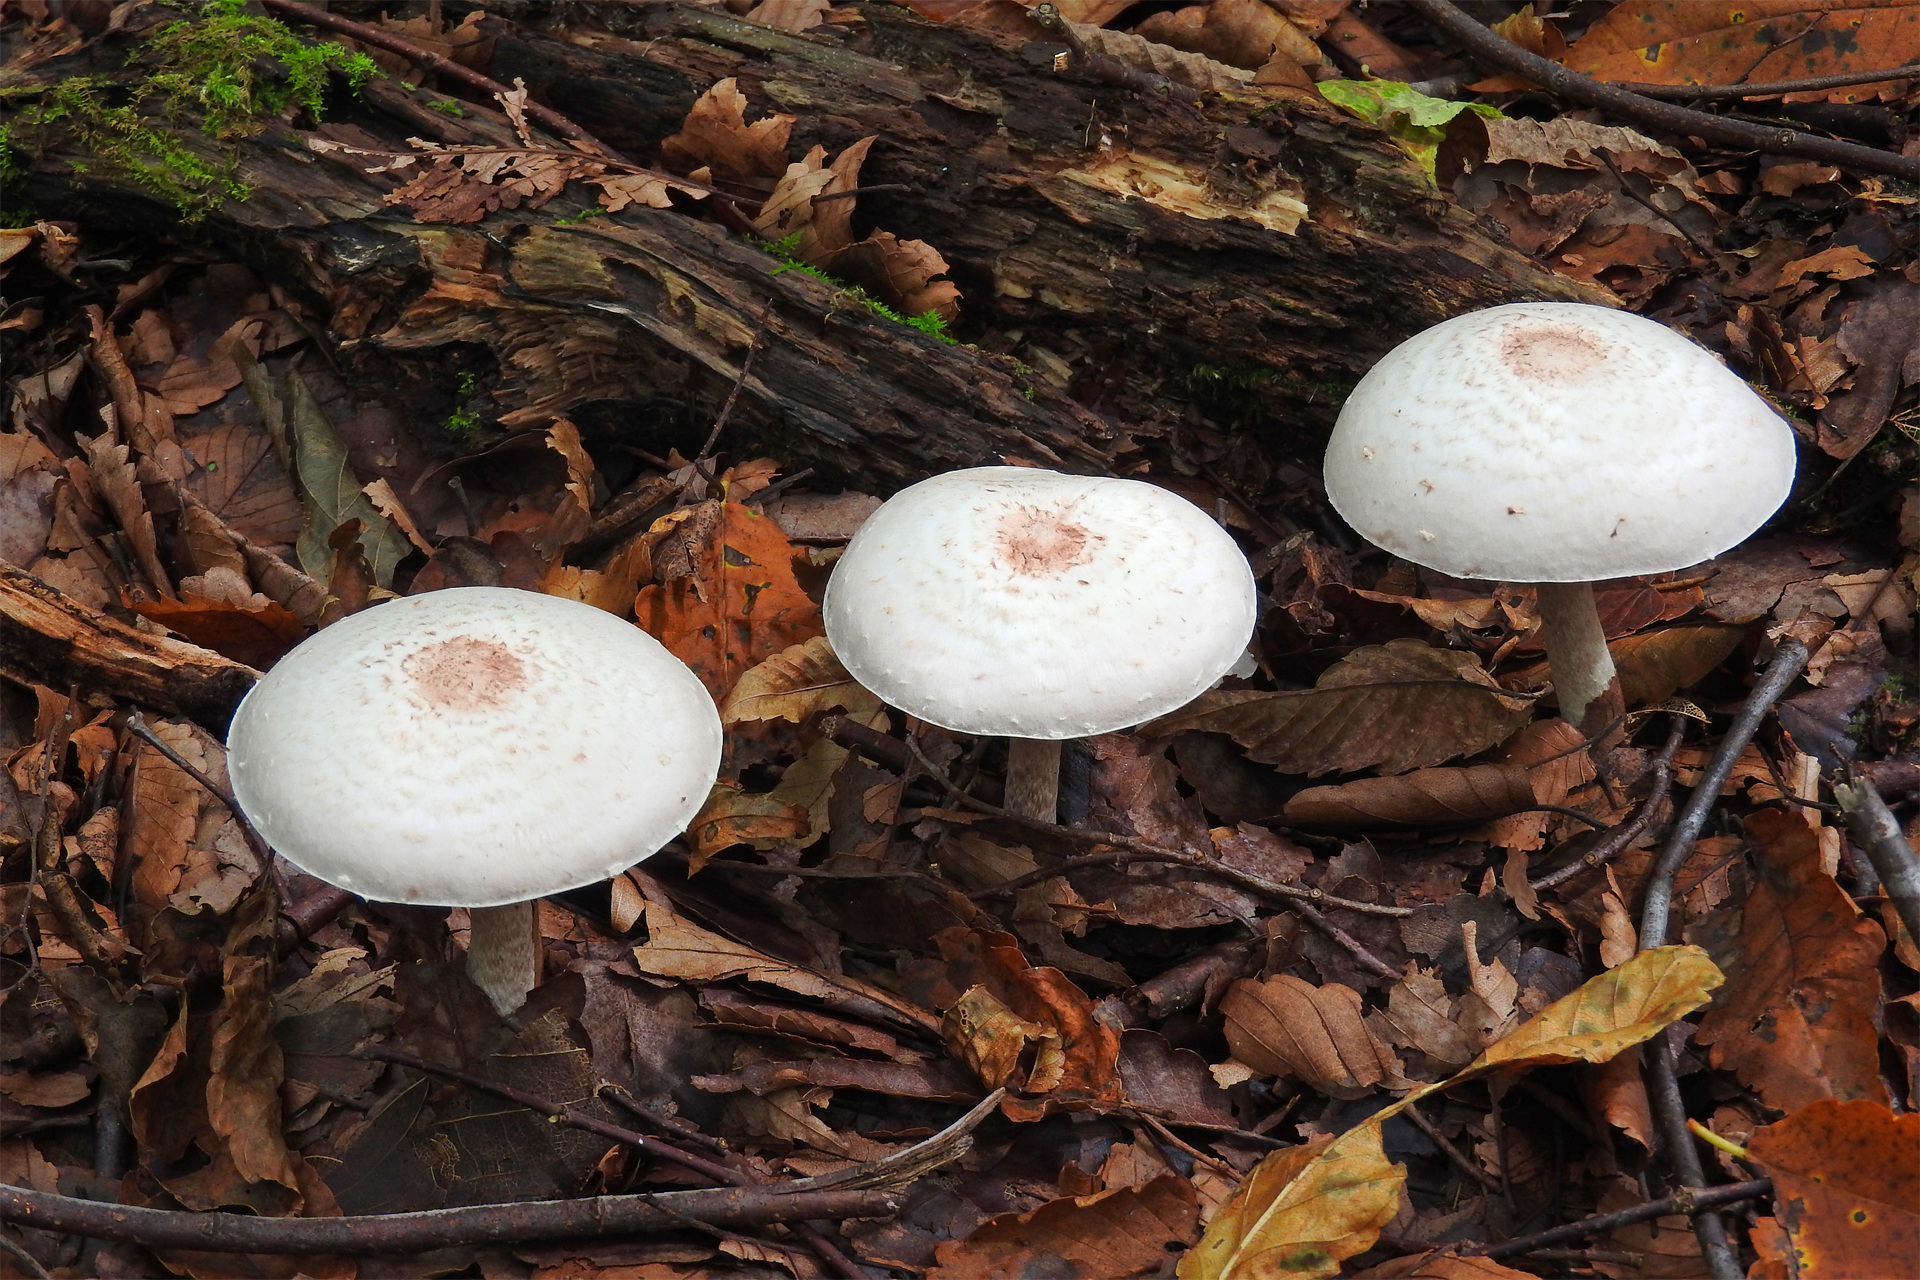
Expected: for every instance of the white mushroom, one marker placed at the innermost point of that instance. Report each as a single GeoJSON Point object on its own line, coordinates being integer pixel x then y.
{"type": "Point", "coordinates": [1009, 600]}
{"type": "Point", "coordinates": [1558, 444]}
{"type": "Point", "coordinates": [476, 747]}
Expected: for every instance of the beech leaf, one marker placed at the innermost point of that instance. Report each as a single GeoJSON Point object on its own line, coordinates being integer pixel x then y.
{"type": "Point", "coordinates": [1442, 796]}
{"type": "Point", "coordinates": [1393, 707]}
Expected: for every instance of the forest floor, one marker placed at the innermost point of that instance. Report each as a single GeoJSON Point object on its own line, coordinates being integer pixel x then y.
{"type": "Point", "coordinates": [1346, 968]}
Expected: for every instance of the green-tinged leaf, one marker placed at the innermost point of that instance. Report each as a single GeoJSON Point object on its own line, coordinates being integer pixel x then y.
{"type": "Point", "coordinates": [1301, 1212]}
{"type": "Point", "coordinates": [793, 684]}
{"type": "Point", "coordinates": [1305, 1210]}
{"type": "Point", "coordinates": [1398, 706]}
{"type": "Point", "coordinates": [329, 490]}
{"type": "Point", "coordinates": [1416, 121]}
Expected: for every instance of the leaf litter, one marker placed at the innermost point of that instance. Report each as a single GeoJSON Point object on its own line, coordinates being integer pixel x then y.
{"type": "Point", "coordinates": [1200, 1074]}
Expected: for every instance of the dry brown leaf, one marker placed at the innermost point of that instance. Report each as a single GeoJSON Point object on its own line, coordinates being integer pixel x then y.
{"type": "Point", "coordinates": [1395, 707]}
{"type": "Point", "coordinates": [1421, 1016]}
{"type": "Point", "coordinates": [1129, 1231]}
{"type": "Point", "coordinates": [1655, 665]}
{"type": "Point", "coordinates": [794, 684]}
{"type": "Point", "coordinates": [789, 15]}
{"type": "Point", "coordinates": [717, 137]}
{"type": "Point", "coordinates": [1285, 1026]}
{"type": "Point", "coordinates": [1796, 1020]}
{"type": "Point", "coordinates": [1444, 797]}
{"type": "Point", "coordinates": [1240, 33]}
{"type": "Point", "coordinates": [900, 273]}
{"type": "Point", "coordinates": [1440, 1265]}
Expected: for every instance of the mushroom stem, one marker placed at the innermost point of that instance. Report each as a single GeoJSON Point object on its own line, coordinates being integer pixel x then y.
{"type": "Point", "coordinates": [501, 955]}
{"type": "Point", "coordinates": [1576, 648]}
{"type": "Point", "coordinates": [1033, 778]}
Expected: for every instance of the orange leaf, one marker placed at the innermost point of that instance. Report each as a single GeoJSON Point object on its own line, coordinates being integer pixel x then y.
{"type": "Point", "coordinates": [1796, 1020]}
{"type": "Point", "coordinates": [256, 637]}
{"type": "Point", "coordinates": [1124, 1232]}
{"type": "Point", "coordinates": [741, 606]}
{"type": "Point", "coordinates": [1846, 1192]}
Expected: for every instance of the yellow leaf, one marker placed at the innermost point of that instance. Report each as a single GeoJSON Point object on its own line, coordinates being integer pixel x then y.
{"type": "Point", "coordinates": [1302, 1211]}
{"type": "Point", "coordinates": [1305, 1210]}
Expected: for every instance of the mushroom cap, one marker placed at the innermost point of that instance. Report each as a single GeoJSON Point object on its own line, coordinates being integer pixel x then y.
{"type": "Point", "coordinates": [1009, 600]}
{"type": "Point", "coordinates": [1555, 442]}
{"type": "Point", "coordinates": [473, 747]}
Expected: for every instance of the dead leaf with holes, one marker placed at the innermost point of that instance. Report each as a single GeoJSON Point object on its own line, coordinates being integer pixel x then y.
{"type": "Point", "coordinates": [1724, 42]}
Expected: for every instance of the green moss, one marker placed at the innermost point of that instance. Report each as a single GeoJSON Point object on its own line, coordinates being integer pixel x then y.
{"type": "Point", "coordinates": [785, 249]}
{"type": "Point", "coordinates": [448, 107]}
{"type": "Point", "coordinates": [225, 71]}
{"type": "Point", "coordinates": [575, 219]}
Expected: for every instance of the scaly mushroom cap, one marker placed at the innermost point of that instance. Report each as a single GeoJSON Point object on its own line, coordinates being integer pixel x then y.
{"type": "Point", "coordinates": [1008, 600]}
{"type": "Point", "coordinates": [1555, 442]}
{"type": "Point", "coordinates": [473, 747]}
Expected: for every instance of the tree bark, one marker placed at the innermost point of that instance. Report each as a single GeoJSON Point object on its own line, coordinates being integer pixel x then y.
{"type": "Point", "coordinates": [1319, 246]}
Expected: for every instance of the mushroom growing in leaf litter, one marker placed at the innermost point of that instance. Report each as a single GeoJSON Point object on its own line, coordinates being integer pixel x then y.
{"type": "Point", "coordinates": [1042, 606]}
{"type": "Point", "coordinates": [476, 747]}
{"type": "Point", "coordinates": [1558, 444]}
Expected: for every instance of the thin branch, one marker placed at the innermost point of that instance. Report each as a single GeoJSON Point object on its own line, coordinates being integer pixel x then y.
{"type": "Point", "coordinates": [1763, 88]}
{"type": "Point", "coordinates": [1670, 1118]}
{"type": "Point", "coordinates": [1451, 1152]}
{"type": "Point", "coordinates": [553, 120]}
{"type": "Point", "coordinates": [1625, 834]}
{"type": "Point", "coordinates": [137, 726]}
{"type": "Point", "coordinates": [1485, 44]}
{"type": "Point", "coordinates": [29, 1265]}
{"type": "Point", "coordinates": [566, 1115]}
{"type": "Point", "coordinates": [1788, 661]}
{"type": "Point", "coordinates": [1125, 849]}
{"type": "Point", "coordinates": [746, 368]}
{"type": "Point", "coordinates": [440, 1228]}
{"type": "Point", "coordinates": [1684, 1202]}
{"type": "Point", "coordinates": [1878, 834]}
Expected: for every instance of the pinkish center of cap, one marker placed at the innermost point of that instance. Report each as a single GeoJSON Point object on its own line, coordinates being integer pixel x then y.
{"type": "Point", "coordinates": [465, 674]}
{"type": "Point", "coordinates": [1036, 542]}
{"type": "Point", "coordinates": [1551, 351]}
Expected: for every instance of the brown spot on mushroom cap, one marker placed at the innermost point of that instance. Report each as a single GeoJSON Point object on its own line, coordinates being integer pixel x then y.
{"type": "Point", "coordinates": [1042, 542]}
{"type": "Point", "coordinates": [465, 674]}
{"type": "Point", "coordinates": [1551, 351]}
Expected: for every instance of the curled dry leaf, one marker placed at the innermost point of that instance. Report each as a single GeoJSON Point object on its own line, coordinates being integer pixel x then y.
{"type": "Point", "coordinates": [1285, 1026]}
{"type": "Point", "coordinates": [1395, 707]}
{"type": "Point", "coordinates": [1846, 1191]}
{"type": "Point", "coordinates": [794, 684]}
{"type": "Point", "coordinates": [716, 136]}
{"type": "Point", "coordinates": [1241, 33]}
{"type": "Point", "coordinates": [1425, 796]}
{"type": "Point", "coordinates": [1126, 1232]}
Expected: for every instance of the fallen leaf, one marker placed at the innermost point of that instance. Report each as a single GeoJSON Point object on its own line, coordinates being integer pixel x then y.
{"type": "Point", "coordinates": [1796, 1020]}
{"type": "Point", "coordinates": [795, 684]}
{"type": "Point", "coordinates": [1846, 1192]}
{"type": "Point", "coordinates": [741, 606]}
{"type": "Point", "coordinates": [1395, 707]}
{"type": "Point", "coordinates": [717, 137]}
{"type": "Point", "coordinates": [1285, 1026]}
{"type": "Point", "coordinates": [256, 635]}
{"type": "Point", "coordinates": [1655, 665]}
{"type": "Point", "coordinates": [1695, 42]}
{"type": "Point", "coordinates": [1125, 1232]}
{"type": "Point", "coordinates": [1445, 797]}
{"type": "Point", "coordinates": [1240, 33]}
{"type": "Point", "coordinates": [1440, 1265]}
{"type": "Point", "coordinates": [240, 480]}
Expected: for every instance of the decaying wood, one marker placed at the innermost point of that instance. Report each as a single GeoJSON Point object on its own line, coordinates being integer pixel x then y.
{"type": "Point", "coordinates": [1270, 237]}
{"type": "Point", "coordinates": [51, 639]}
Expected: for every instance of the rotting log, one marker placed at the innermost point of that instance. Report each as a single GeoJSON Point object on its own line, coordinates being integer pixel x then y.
{"type": "Point", "coordinates": [52, 639]}
{"type": "Point", "coordinates": [1056, 199]}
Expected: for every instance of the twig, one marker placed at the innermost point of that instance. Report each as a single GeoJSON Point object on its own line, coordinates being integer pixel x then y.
{"type": "Point", "coordinates": [1788, 661]}
{"type": "Point", "coordinates": [1451, 1152]}
{"type": "Point", "coordinates": [137, 726]}
{"type": "Point", "coordinates": [365, 34]}
{"type": "Point", "coordinates": [1627, 187]}
{"type": "Point", "coordinates": [1684, 1202]}
{"type": "Point", "coordinates": [26, 1260]}
{"type": "Point", "coordinates": [1625, 834]}
{"type": "Point", "coordinates": [566, 1115]}
{"type": "Point", "coordinates": [1763, 88]}
{"type": "Point", "coordinates": [440, 1228]}
{"type": "Point", "coordinates": [1347, 940]}
{"type": "Point", "coordinates": [1128, 848]}
{"type": "Point", "coordinates": [1878, 833]}
{"type": "Point", "coordinates": [1486, 44]}
{"type": "Point", "coordinates": [1663, 1087]}
{"type": "Point", "coordinates": [746, 368]}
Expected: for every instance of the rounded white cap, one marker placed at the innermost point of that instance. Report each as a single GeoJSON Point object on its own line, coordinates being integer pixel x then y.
{"type": "Point", "coordinates": [473, 747]}
{"type": "Point", "coordinates": [1555, 442]}
{"type": "Point", "coordinates": [1007, 600]}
